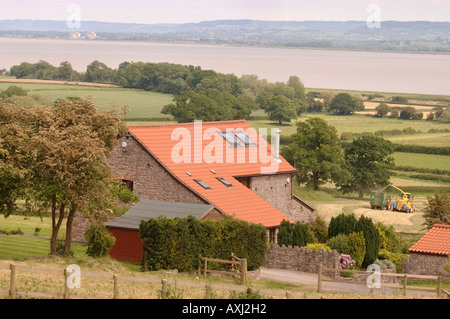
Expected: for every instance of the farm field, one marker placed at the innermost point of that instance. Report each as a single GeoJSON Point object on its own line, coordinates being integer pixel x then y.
{"type": "Point", "coordinates": [431, 161]}
{"type": "Point", "coordinates": [142, 104]}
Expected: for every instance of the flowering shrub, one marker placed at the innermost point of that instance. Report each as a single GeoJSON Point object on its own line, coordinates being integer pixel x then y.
{"type": "Point", "coordinates": [346, 262]}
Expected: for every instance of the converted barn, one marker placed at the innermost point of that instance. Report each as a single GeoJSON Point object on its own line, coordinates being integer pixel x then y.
{"type": "Point", "coordinates": [430, 253]}
{"type": "Point", "coordinates": [225, 164]}
{"type": "Point", "coordinates": [128, 246]}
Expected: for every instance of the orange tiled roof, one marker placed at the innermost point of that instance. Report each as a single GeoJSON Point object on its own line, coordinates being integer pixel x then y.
{"type": "Point", "coordinates": [435, 241]}
{"type": "Point", "coordinates": [193, 151]}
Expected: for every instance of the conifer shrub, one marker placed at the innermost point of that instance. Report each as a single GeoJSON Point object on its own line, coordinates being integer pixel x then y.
{"type": "Point", "coordinates": [372, 239]}
{"type": "Point", "coordinates": [342, 224]}
{"type": "Point", "coordinates": [301, 235]}
{"type": "Point", "coordinates": [285, 232]}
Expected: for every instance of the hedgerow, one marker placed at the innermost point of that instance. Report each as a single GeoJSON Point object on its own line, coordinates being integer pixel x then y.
{"type": "Point", "coordinates": [177, 243]}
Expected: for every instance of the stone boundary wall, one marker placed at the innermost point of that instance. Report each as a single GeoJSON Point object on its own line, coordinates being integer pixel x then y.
{"type": "Point", "coordinates": [300, 258]}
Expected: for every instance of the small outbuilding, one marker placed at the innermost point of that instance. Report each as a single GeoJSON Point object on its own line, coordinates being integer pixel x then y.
{"type": "Point", "coordinates": [128, 246]}
{"type": "Point", "coordinates": [430, 253]}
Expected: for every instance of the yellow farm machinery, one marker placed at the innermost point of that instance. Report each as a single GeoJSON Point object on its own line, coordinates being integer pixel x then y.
{"type": "Point", "coordinates": [383, 200]}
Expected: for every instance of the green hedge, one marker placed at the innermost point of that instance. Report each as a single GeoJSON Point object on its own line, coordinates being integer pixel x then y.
{"type": "Point", "coordinates": [177, 243]}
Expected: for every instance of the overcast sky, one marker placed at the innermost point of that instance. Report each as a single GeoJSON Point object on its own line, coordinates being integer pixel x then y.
{"type": "Point", "coordinates": [179, 11]}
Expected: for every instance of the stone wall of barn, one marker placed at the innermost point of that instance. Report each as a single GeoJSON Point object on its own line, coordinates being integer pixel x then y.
{"type": "Point", "coordinates": [150, 179]}
{"type": "Point", "coordinates": [276, 189]}
{"type": "Point", "coordinates": [425, 264]}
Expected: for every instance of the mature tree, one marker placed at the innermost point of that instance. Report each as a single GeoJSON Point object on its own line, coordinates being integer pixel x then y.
{"type": "Point", "coordinates": [209, 105]}
{"type": "Point", "coordinates": [23, 70]}
{"type": "Point", "coordinates": [382, 109]}
{"type": "Point", "coordinates": [437, 210]}
{"type": "Point", "coordinates": [280, 108]}
{"type": "Point", "coordinates": [66, 72]}
{"type": "Point", "coordinates": [343, 104]}
{"type": "Point", "coordinates": [318, 154]}
{"type": "Point", "coordinates": [367, 159]}
{"type": "Point", "coordinates": [58, 160]}
{"type": "Point", "coordinates": [408, 113]}
{"type": "Point", "coordinates": [299, 89]}
{"type": "Point", "coordinates": [99, 72]}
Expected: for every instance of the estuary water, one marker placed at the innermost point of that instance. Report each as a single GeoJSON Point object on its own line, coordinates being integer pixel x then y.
{"type": "Point", "coordinates": [350, 70]}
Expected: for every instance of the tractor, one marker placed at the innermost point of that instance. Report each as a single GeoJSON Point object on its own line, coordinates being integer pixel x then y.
{"type": "Point", "coordinates": [404, 203]}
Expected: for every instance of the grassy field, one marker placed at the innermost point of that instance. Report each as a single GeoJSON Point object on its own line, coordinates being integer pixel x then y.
{"type": "Point", "coordinates": [441, 162]}
{"type": "Point", "coordinates": [142, 104]}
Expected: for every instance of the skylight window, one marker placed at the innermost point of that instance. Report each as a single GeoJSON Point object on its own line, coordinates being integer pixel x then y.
{"type": "Point", "coordinates": [245, 139]}
{"type": "Point", "coordinates": [230, 139]}
{"type": "Point", "coordinates": [224, 181]}
{"type": "Point", "coordinates": [202, 183]}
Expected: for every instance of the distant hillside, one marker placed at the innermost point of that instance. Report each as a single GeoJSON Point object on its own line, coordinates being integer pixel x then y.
{"type": "Point", "coordinates": [420, 36]}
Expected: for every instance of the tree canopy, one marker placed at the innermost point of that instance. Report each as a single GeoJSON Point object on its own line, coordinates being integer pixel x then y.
{"type": "Point", "coordinates": [209, 105]}
{"type": "Point", "coordinates": [343, 104]}
{"type": "Point", "coordinates": [366, 159]}
{"type": "Point", "coordinates": [317, 152]}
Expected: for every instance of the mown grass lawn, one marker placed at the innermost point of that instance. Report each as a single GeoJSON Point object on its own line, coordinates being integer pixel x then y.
{"type": "Point", "coordinates": [21, 247]}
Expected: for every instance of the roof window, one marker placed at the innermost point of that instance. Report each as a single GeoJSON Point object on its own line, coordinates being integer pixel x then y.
{"type": "Point", "coordinates": [202, 183]}
{"type": "Point", "coordinates": [230, 139]}
{"type": "Point", "coordinates": [224, 181]}
{"type": "Point", "coordinates": [245, 139]}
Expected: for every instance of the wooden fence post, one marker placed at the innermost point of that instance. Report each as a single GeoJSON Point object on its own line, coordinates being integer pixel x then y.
{"type": "Point", "coordinates": [66, 286]}
{"type": "Point", "coordinates": [405, 282]}
{"type": "Point", "coordinates": [116, 287]}
{"type": "Point", "coordinates": [12, 282]}
{"type": "Point", "coordinates": [164, 289]}
{"type": "Point", "coordinates": [439, 287]}
{"type": "Point", "coordinates": [319, 278]}
{"type": "Point", "coordinates": [208, 292]}
{"type": "Point", "coordinates": [244, 271]}
{"type": "Point", "coordinates": [205, 267]}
